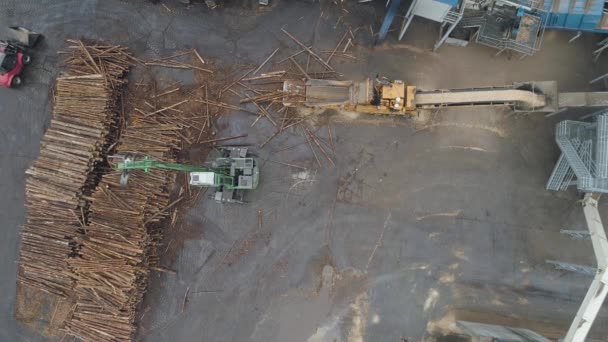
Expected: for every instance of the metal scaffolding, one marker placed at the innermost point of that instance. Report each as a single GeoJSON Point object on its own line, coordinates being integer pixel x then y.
{"type": "Point", "coordinates": [497, 30]}
{"type": "Point", "coordinates": [584, 147]}
{"type": "Point", "coordinates": [566, 266]}
{"type": "Point", "coordinates": [490, 332]}
{"type": "Point", "coordinates": [576, 234]}
{"type": "Point", "coordinates": [584, 158]}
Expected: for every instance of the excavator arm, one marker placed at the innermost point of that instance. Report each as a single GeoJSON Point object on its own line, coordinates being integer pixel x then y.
{"type": "Point", "coordinates": [234, 171]}
{"type": "Point", "coordinates": [199, 175]}
{"type": "Point", "coordinates": [148, 164]}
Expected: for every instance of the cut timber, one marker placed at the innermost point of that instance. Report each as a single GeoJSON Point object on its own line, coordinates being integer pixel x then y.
{"type": "Point", "coordinates": [265, 61]}
{"type": "Point", "coordinates": [121, 244]}
{"type": "Point", "coordinates": [65, 172]}
{"type": "Point", "coordinates": [122, 241]}
{"type": "Point", "coordinates": [314, 55]}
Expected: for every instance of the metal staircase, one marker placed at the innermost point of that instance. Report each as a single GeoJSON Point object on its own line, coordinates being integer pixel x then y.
{"type": "Point", "coordinates": [452, 17]}
{"type": "Point", "coordinates": [562, 174]}
{"type": "Point", "coordinates": [584, 147]}
{"type": "Point", "coordinates": [601, 152]}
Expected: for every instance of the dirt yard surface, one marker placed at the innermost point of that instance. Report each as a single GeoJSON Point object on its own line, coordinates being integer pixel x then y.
{"type": "Point", "coordinates": [442, 215]}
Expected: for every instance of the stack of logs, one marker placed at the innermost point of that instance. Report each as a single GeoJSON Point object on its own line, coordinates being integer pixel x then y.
{"type": "Point", "coordinates": [109, 61]}
{"type": "Point", "coordinates": [87, 237]}
{"type": "Point", "coordinates": [116, 254]}
{"type": "Point", "coordinates": [122, 239]}
{"type": "Point", "coordinates": [71, 154]}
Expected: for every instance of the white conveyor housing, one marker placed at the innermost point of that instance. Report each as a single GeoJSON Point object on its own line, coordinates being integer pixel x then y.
{"type": "Point", "coordinates": [599, 286]}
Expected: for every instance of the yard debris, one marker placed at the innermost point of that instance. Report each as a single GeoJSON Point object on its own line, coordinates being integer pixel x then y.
{"type": "Point", "coordinates": [224, 105]}
{"type": "Point", "coordinates": [294, 55]}
{"type": "Point", "coordinates": [198, 56]}
{"type": "Point", "coordinates": [223, 139]}
{"type": "Point", "coordinates": [453, 213]}
{"type": "Point", "coordinates": [264, 97]}
{"type": "Point", "coordinates": [316, 141]}
{"type": "Point", "coordinates": [300, 68]}
{"type": "Point", "coordinates": [170, 62]}
{"type": "Point", "coordinates": [260, 90]}
{"type": "Point", "coordinates": [312, 53]}
{"type": "Point", "coordinates": [177, 65]}
{"type": "Point", "coordinates": [312, 148]}
{"type": "Point", "coordinates": [287, 164]}
{"type": "Point", "coordinates": [331, 140]}
{"type": "Point", "coordinates": [341, 54]}
{"type": "Point", "coordinates": [273, 74]}
{"type": "Point", "coordinates": [233, 83]}
{"type": "Point", "coordinates": [166, 108]}
{"type": "Point", "coordinates": [166, 93]}
{"type": "Point", "coordinates": [336, 48]}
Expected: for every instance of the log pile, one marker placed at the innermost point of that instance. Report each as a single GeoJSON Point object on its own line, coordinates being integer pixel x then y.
{"type": "Point", "coordinates": [116, 253]}
{"type": "Point", "coordinates": [109, 61]}
{"type": "Point", "coordinates": [87, 237]}
{"type": "Point", "coordinates": [123, 235]}
{"type": "Point", "coordinates": [71, 153]}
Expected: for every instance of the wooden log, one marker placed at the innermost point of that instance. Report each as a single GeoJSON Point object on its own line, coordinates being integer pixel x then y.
{"type": "Point", "coordinates": [314, 55]}
{"type": "Point", "coordinates": [223, 139]}
{"type": "Point", "coordinates": [265, 61]}
{"type": "Point", "coordinates": [300, 68]}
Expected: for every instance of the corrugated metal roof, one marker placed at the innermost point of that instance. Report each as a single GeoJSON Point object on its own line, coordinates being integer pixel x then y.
{"type": "Point", "coordinates": [582, 15]}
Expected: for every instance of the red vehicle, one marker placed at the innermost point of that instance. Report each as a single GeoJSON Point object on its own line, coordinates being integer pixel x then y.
{"type": "Point", "coordinates": [12, 60]}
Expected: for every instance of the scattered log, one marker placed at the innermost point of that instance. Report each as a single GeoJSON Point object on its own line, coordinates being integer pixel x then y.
{"type": "Point", "coordinates": [223, 139]}
{"type": "Point", "coordinates": [265, 61]}
{"type": "Point", "coordinates": [300, 68]}
{"type": "Point", "coordinates": [312, 53]}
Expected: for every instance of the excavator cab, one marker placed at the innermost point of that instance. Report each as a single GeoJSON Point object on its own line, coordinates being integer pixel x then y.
{"type": "Point", "coordinates": [394, 96]}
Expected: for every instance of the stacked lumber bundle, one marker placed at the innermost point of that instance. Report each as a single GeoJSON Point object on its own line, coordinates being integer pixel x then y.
{"type": "Point", "coordinates": [122, 237]}
{"type": "Point", "coordinates": [71, 154]}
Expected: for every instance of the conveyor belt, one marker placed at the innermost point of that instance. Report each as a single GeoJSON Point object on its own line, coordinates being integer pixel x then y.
{"type": "Point", "coordinates": [590, 99]}
{"type": "Point", "coordinates": [325, 93]}
{"type": "Point", "coordinates": [480, 96]}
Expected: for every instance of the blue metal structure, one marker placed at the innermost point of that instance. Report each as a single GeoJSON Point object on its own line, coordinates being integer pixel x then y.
{"type": "Point", "coordinates": [447, 12]}
{"type": "Point", "coordinates": [507, 24]}
{"type": "Point", "coordinates": [449, 2]}
{"type": "Point", "coordinates": [577, 15]}
{"type": "Point", "coordinates": [388, 18]}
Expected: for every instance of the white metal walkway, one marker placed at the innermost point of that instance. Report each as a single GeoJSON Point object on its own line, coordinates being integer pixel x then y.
{"type": "Point", "coordinates": [599, 286]}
